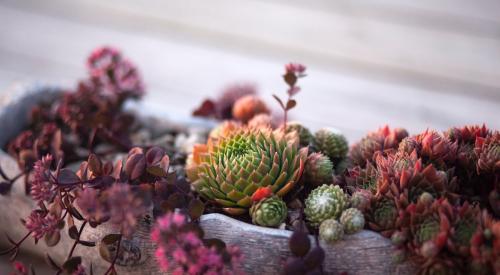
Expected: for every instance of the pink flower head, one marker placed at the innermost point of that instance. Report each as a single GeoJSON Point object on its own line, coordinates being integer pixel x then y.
{"type": "Point", "coordinates": [41, 187]}
{"type": "Point", "coordinates": [295, 68]}
{"type": "Point", "coordinates": [181, 251]}
{"type": "Point", "coordinates": [40, 224]}
{"type": "Point", "coordinates": [125, 208]}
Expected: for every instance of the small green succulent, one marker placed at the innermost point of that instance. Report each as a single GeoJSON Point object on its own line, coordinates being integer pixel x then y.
{"type": "Point", "coordinates": [324, 202]}
{"type": "Point", "coordinates": [270, 212]}
{"type": "Point", "coordinates": [353, 220]}
{"type": "Point", "coordinates": [331, 231]}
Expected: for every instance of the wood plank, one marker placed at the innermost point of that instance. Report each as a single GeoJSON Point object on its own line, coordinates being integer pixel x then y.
{"type": "Point", "coordinates": [427, 57]}
{"type": "Point", "coordinates": [349, 102]}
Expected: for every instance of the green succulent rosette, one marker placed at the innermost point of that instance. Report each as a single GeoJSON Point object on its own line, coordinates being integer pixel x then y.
{"type": "Point", "coordinates": [324, 202]}
{"type": "Point", "coordinates": [270, 212]}
{"type": "Point", "coordinates": [229, 169]}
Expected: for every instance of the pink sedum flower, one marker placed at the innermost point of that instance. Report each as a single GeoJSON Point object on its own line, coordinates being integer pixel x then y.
{"type": "Point", "coordinates": [181, 251]}
{"type": "Point", "coordinates": [40, 224]}
{"type": "Point", "coordinates": [41, 187]}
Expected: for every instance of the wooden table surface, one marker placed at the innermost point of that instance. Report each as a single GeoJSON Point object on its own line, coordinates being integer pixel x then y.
{"type": "Point", "coordinates": [413, 64]}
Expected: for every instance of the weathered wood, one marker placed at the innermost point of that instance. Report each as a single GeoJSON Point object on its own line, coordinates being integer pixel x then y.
{"type": "Point", "coordinates": [264, 249]}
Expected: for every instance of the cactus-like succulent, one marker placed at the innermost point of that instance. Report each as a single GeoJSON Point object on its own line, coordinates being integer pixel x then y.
{"type": "Point", "coordinates": [246, 107]}
{"type": "Point", "coordinates": [330, 143]}
{"type": "Point", "coordinates": [230, 169]}
{"type": "Point", "coordinates": [324, 202]}
{"type": "Point", "coordinates": [270, 212]}
{"type": "Point", "coordinates": [319, 170]}
{"type": "Point", "coordinates": [353, 220]}
{"type": "Point", "coordinates": [331, 231]}
{"type": "Point", "coordinates": [305, 136]}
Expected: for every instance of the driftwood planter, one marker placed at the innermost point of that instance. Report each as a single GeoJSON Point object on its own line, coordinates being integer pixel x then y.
{"type": "Point", "coordinates": [264, 249]}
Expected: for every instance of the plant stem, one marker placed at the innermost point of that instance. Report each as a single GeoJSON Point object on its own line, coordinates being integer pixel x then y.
{"type": "Point", "coordinates": [77, 239]}
{"type": "Point", "coordinates": [112, 266]}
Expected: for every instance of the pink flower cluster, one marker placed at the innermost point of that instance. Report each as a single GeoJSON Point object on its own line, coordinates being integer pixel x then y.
{"type": "Point", "coordinates": [117, 204]}
{"type": "Point", "coordinates": [41, 223]}
{"type": "Point", "coordinates": [181, 250]}
{"type": "Point", "coordinates": [295, 68]}
{"type": "Point", "coordinates": [41, 187]}
{"type": "Point", "coordinates": [117, 75]}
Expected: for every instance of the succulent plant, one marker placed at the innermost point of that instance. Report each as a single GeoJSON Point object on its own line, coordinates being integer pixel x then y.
{"type": "Point", "coordinates": [362, 178]}
{"type": "Point", "coordinates": [318, 170]}
{"type": "Point", "coordinates": [429, 226]}
{"type": "Point", "coordinates": [353, 220]}
{"type": "Point", "coordinates": [342, 166]}
{"type": "Point", "coordinates": [464, 225]}
{"type": "Point", "coordinates": [246, 107]}
{"type": "Point", "coordinates": [324, 202]}
{"type": "Point", "coordinates": [382, 140]}
{"type": "Point", "coordinates": [224, 129]}
{"type": "Point", "coordinates": [305, 136]}
{"type": "Point", "coordinates": [230, 169]}
{"type": "Point", "coordinates": [330, 143]}
{"type": "Point", "coordinates": [331, 231]}
{"type": "Point", "coordinates": [382, 215]}
{"type": "Point", "coordinates": [270, 212]}
{"type": "Point", "coordinates": [261, 121]}
{"type": "Point", "coordinates": [360, 199]}
{"type": "Point", "coordinates": [488, 153]}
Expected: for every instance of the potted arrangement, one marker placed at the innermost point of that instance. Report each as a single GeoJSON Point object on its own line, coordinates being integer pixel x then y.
{"type": "Point", "coordinates": [103, 190]}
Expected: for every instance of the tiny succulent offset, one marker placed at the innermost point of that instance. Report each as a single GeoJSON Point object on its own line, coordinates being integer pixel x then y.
{"type": "Point", "coordinates": [270, 212]}
{"type": "Point", "coordinates": [352, 220]}
{"type": "Point", "coordinates": [331, 231]}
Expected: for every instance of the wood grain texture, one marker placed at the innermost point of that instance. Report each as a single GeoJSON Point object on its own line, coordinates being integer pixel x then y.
{"type": "Point", "coordinates": [264, 249]}
{"type": "Point", "coordinates": [186, 55]}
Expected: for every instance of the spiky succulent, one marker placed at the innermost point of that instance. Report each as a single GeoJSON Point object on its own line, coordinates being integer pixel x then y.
{"type": "Point", "coordinates": [324, 202]}
{"type": "Point", "coordinates": [488, 154]}
{"type": "Point", "coordinates": [382, 140]}
{"type": "Point", "coordinates": [362, 178]}
{"type": "Point", "coordinates": [305, 136]}
{"type": "Point", "coordinates": [319, 169]}
{"type": "Point", "coordinates": [270, 212]}
{"type": "Point", "coordinates": [382, 215]}
{"type": "Point", "coordinates": [429, 226]}
{"type": "Point", "coordinates": [331, 231]}
{"type": "Point", "coordinates": [330, 143]}
{"type": "Point", "coordinates": [230, 169]}
{"type": "Point", "coordinates": [353, 220]}
{"type": "Point", "coordinates": [465, 224]}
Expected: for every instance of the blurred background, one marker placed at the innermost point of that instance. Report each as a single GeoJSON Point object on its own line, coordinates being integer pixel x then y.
{"type": "Point", "coordinates": [413, 64]}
